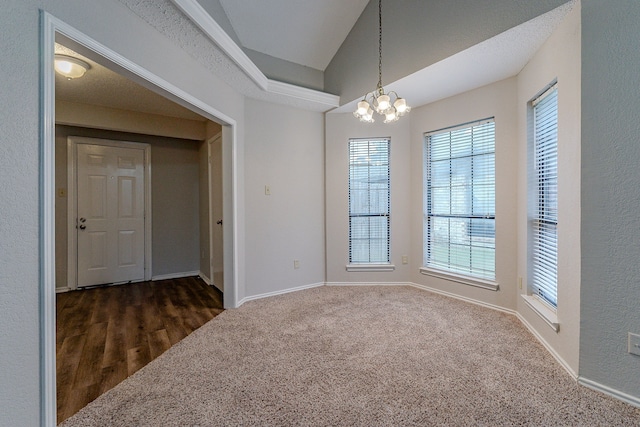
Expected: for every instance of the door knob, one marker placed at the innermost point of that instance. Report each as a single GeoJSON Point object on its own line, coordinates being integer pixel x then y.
{"type": "Point", "coordinates": [83, 219]}
{"type": "Point", "coordinates": [82, 227]}
{"type": "Point", "coordinates": [219, 222]}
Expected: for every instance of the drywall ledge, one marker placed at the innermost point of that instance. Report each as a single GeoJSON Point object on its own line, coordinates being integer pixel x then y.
{"type": "Point", "coordinates": [371, 267]}
{"type": "Point", "coordinates": [546, 313]}
{"type": "Point", "coordinates": [199, 16]}
{"type": "Point", "coordinates": [465, 280]}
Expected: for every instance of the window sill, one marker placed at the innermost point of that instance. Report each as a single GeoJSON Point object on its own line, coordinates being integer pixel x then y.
{"type": "Point", "coordinates": [547, 314]}
{"type": "Point", "coordinates": [371, 267]}
{"type": "Point", "coordinates": [465, 280]}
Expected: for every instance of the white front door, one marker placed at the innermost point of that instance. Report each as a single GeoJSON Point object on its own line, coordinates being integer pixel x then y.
{"type": "Point", "coordinates": [110, 214]}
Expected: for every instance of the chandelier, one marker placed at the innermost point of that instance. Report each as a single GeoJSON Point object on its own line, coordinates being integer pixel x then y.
{"type": "Point", "coordinates": [389, 105]}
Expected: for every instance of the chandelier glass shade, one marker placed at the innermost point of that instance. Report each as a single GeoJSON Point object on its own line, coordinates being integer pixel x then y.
{"type": "Point", "coordinates": [389, 105]}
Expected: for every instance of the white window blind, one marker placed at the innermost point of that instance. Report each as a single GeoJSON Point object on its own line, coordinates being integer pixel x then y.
{"type": "Point", "coordinates": [369, 201]}
{"type": "Point", "coordinates": [545, 220]}
{"type": "Point", "coordinates": [459, 198]}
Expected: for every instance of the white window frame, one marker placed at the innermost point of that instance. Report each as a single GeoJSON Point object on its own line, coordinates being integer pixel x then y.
{"type": "Point", "coordinates": [477, 279]}
{"type": "Point", "coordinates": [369, 264]}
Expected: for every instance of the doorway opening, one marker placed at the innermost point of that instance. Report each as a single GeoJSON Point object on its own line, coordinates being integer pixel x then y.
{"type": "Point", "coordinates": [57, 31]}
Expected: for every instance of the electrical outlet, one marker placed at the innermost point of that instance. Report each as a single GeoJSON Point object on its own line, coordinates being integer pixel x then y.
{"type": "Point", "coordinates": [634, 344]}
{"type": "Point", "coordinates": [405, 259]}
{"type": "Point", "coordinates": [296, 264]}
{"type": "Point", "coordinates": [267, 190]}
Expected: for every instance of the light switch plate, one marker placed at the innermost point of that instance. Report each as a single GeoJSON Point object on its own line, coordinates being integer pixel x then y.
{"type": "Point", "coordinates": [634, 344]}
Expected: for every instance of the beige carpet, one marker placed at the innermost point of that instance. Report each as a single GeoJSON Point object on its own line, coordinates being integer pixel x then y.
{"type": "Point", "coordinates": [356, 356]}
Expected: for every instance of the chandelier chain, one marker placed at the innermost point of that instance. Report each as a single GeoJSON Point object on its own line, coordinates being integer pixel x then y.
{"type": "Point", "coordinates": [379, 44]}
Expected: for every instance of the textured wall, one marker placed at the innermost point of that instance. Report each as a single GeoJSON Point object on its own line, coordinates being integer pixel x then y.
{"type": "Point", "coordinates": [19, 272]}
{"type": "Point", "coordinates": [610, 193]}
{"type": "Point", "coordinates": [418, 34]}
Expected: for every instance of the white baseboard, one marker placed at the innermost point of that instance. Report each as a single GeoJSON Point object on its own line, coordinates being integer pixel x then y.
{"type": "Point", "coordinates": [632, 400]}
{"type": "Point", "coordinates": [205, 278]}
{"type": "Point", "coordinates": [547, 346]}
{"type": "Point", "coordinates": [62, 290]}
{"type": "Point", "coordinates": [461, 298]}
{"type": "Point", "coordinates": [367, 284]}
{"type": "Point", "coordinates": [175, 275]}
{"type": "Point", "coordinates": [284, 291]}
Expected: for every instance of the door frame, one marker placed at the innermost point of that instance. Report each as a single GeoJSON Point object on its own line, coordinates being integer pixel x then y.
{"type": "Point", "coordinates": [72, 202]}
{"type": "Point", "coordinates": [233, 167]}
{"type": "Point", "coordinates": [212, 220]}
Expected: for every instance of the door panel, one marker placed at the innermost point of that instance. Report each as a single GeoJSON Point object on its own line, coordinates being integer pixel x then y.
{"type": "Point", "coordinates": [110, 206]}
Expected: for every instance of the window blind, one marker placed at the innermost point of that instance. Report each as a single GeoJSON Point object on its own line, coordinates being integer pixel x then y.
{"type": "Point", "coordinates": [459, 211]}
{"type": "Point", "coordinates": [369, 184]}
{"type": "Point", "coordinates": [545, 221]}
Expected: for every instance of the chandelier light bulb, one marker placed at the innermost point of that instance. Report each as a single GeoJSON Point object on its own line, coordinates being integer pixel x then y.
{"type": "Point", "coordinates": [363, 106]}
{"type": "Point", "coordinates": [400, 106]}
{"type": "Point", "coordinates": [390, 116]}
{"type": "Point", "coordinates": [383, 103]}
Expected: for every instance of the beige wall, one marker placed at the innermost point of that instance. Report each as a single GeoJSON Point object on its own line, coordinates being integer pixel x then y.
{"type": "Point", "coordinates": [499, 101]}
{"type": "Point", "coordinates": [174, 198]}
{"type": "Point", "coordinates": [506, 101]}
{"type": "Point", "coordinates": [284, 151]}
{"type": "Point", "coordinates": [559, 58]}
{"type": "Point", "coordinates": [340, 128]}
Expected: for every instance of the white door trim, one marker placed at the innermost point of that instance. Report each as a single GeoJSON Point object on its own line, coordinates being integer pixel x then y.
{"type": "Point", "coordinates": [72, 205]}
{"type": "Point", "coordinates": [234, 250]}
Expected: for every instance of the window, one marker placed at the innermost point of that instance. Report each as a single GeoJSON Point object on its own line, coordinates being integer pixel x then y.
{"type": "Point", "coordinates": [369, 201]}
{"type": "Point", "coordinates": [459, 200]}
{"type": "Point", "coordinates": [544, 223]}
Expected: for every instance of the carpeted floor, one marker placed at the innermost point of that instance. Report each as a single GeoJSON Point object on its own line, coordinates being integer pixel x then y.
{"type": "Point", "coordinates": [356, 356]}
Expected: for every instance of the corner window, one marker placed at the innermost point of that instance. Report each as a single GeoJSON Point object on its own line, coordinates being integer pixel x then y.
{"type": "Point", "coordinates": [459, 200]}
{"type": "Point", "coordinates": [369, 218]}
{"type": "Point", "coordinates": [544, 185]}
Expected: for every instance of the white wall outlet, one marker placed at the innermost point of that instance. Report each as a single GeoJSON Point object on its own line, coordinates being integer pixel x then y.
{"type": "Point", "coordinates": [267, 190]}
{"type": "Point", "coordinates": [296, 264]}
{"type": "Point", "coordinates": [405, 259]}
{"type": "Point", "coordinates": [634, 344]}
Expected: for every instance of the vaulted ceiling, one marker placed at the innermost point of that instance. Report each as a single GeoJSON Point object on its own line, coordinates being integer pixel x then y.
{"type": "Point", "coordinates": [307, 33]}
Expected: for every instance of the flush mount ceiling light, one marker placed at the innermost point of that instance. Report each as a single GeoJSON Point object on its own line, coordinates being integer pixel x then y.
{"type": "Point", "coordinates": [390, 105]}
{"type": "Point", "coordinates": [71, 68]}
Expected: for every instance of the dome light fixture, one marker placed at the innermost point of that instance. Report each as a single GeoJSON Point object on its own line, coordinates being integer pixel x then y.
{"type": "Point", "coordinates": [379, 101]}
{"type": "Point", "coordinates": [70, 67]}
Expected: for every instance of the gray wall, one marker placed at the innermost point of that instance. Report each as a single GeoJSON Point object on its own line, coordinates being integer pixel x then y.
{"type": "Point", "coordinates": [174, 200]}
{"type": "Point", "coordinates": [285, 71]}
{"type": "Point", "coordinates": [610, 294]}
{"type": "Point", "coordinates": [416, 34]}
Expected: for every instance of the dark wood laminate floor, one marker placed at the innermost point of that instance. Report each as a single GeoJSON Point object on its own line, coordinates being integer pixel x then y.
{"type": "Point", "coordinates": [106, 334]}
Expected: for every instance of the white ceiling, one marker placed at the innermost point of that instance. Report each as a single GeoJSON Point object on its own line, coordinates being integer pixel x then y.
{"type": "Point", "coordinates": [101, 86]}
{"type": "Point", "coordinates": [307, 32]}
